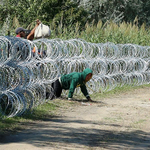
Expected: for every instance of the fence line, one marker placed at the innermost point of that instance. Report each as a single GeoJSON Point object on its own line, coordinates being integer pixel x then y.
{"type": "Point", "coordinates": [27, 68]}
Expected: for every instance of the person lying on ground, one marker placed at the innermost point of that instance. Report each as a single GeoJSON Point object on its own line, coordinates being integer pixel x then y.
{"type": "Point", "coordinates": [70, 82]}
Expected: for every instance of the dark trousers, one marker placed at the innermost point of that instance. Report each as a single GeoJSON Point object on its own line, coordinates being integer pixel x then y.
{"type": "Point", "coordinates": [57, 90]}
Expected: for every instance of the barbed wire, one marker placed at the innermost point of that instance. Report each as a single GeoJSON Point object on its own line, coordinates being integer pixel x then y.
{"type": "Point", "coordinates": [28, 68]}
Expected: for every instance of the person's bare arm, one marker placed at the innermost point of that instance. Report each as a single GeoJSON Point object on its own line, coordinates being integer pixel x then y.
{"type": "Point", "coordinates": [31, 35]}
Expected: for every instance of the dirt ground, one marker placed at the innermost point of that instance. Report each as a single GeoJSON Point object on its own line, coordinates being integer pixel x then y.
{"type": "Point", "coordinates": [118, 123]}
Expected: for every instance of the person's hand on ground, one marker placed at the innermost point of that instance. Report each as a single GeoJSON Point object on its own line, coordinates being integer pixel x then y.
{"type": "Point", "coordinates": [69, 99]}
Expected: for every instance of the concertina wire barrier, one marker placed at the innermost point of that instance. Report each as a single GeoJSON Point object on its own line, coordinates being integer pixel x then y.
{"type": "Point", "coordinates": [27, 68]}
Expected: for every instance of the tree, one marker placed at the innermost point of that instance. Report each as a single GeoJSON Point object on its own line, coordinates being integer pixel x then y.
{"type": "Point", "coordinates": [132, 10]}
{"type": "Point", "coordinates": [117, 10]}
{"type": "Point", "coordinates": [144, 13]}
{"type": "Point", "coordinates": [45, 10]}
{"type": "Point", "coordinates": [104, 9]}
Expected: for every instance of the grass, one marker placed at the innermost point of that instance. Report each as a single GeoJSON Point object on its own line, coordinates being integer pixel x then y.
{"type": "Point", "coordinates": [118, 33]}
{"type": "Point", "coordinates": [42, 112]}
{"type": "Point", "coordinates": [116, 91]}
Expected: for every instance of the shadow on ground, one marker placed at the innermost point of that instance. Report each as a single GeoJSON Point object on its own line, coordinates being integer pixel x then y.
{"type": "Point", "coordinates": [59, 131]}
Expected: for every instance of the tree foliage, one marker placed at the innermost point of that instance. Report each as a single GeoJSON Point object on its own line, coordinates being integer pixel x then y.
{"type": "Point", "coordinates": [69, 12]}
{"type": "Point", "coordinates": [118, 10]}
{"type": "Point", "coordinates": [61, 11]}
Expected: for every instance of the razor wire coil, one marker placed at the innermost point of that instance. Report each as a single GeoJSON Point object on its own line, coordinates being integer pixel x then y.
{"type": "Point", "coordinates": [28, 68]}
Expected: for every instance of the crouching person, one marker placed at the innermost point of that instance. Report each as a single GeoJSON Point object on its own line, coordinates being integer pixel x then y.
{"type": "Point", "coordinates": [70, 82]}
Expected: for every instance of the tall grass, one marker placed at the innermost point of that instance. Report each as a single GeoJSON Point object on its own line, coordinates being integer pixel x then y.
{"type": "Point", "coordinates": [118, 33]}
{"type": "Point", "coordinates": [109, 32]}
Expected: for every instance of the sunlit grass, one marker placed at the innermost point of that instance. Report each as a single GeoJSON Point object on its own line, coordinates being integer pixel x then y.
{"type": "Point", "coordinates": [108, 32]}
{"type": "Point", "coordinates": [116, 91]}
{"type": "Point", "coordinates": [118, 33]}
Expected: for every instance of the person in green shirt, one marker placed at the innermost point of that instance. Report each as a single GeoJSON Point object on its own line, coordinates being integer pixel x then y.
{"type": "Point", "coordinates": [70, 82]}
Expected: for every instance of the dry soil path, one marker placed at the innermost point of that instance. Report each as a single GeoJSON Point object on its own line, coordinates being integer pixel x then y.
{"type": "Point", "coordinates": [121, 122]}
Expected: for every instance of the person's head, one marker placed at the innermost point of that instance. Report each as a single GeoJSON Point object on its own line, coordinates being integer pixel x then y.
{"type": "Point", "coordinates": [88, 77]}
{"type": "Point", "coordinates": [21, 32]}
{"type": "Point", "coordinates": [87, 74]}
